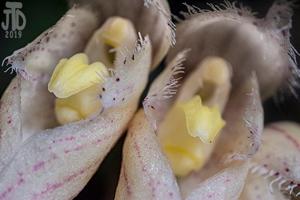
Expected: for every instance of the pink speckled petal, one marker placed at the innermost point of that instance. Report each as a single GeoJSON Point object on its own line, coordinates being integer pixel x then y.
{"type": "Point", "coordinates": [257, 188]}
{"type": "Point", "coordinates": [57, 163]}
{"type": "Point", "coordinates": [10, 121]}
{"type": "Point", "coordinates": [225, 185]}
{"type": "Point", "coordinates": [145, 172]}
{"type": "Point", "coordinates": [276, 166]}
{"type": "Point", "coordinates": [26, 104]}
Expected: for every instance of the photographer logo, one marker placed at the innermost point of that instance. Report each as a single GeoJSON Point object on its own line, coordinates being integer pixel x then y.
{"type": "Point", "coordinates": [15, 20]}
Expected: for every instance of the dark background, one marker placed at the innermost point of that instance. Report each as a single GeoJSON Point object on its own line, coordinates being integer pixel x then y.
{"type": "Point", "coordinates": [40, 15]}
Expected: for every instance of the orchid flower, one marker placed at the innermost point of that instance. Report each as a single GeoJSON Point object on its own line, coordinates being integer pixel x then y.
{"type": "Point", "coordinates": [206, 141]}
{"type": "Point", "coordinates": [77, 86]}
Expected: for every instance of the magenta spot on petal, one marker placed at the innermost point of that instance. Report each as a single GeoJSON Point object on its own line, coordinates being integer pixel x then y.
{"type": "Point", "coordinates": [9, 189]}
{"type": "Point", "coordinates": [70, 138]}
{"type": "Point", "coordinates": [227, 180]}
{"type": "Point", "coordinates": [78, 148]}
{"type": "Point", "coordinates": [38, 166]}
{"type": "Point", "coordinates": [20, 181]}
{"type": "Point", "coordinates": [287, 169]}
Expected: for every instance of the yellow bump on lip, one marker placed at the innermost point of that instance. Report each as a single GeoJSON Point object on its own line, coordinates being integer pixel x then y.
{"type": "Point", "coordinates": [215, 70]}
{"type": "Point", "coordinates": [110, 40]}
{"type": "Point", "coordinates": [74, 75]}
{"type": "Point", "coordinates": [202, 121]}
{"type": "Point", "coordinates": [114, 31]}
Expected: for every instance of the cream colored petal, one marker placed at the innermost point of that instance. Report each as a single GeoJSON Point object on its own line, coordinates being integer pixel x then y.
{"type": "Point", "coordinates": [276, 166]}
{"type": "Point", "coordinates": [225, 185]}
{"type": "Point", "coordinates": [145, 172]}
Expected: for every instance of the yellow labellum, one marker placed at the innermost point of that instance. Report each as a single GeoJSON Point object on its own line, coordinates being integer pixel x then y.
{"type": "Point", "coordinates": [74, 75]}
{"type": "Point", "coordinates": [202, 121]}
{"type": "Point", "coordinates": [77, 86]}
{"type": "Point", "coordinates": [186, 132]}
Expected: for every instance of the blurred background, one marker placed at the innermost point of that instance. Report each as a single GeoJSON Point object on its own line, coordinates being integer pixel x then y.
{"type": "Point", "coordinates": [40, 15]}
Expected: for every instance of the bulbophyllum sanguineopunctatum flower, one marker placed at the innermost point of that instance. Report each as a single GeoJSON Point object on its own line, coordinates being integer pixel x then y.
{"type": "Point", "coordinates": [96, 51]}
{"type": "Point", "coordinates": [262, 61]}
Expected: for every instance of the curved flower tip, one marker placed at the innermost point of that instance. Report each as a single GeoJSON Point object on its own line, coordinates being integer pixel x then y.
{"type": "Point", "coordinates": [241, 137]}
{"type": "Point", "coordinates": [210, 32]}
{"type": "Point", "coordinates": [117, 34]}
{"type": "Point", "coordinates": [67, 37]}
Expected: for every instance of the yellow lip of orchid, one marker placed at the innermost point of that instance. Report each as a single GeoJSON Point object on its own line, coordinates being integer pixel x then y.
{"type": "Point", "coordinates": [185, 132]}
{"type": "Point", "coordinates": [202, 121]}
{"type": "Point", "coordinates": [193, 123]}
{"type": "Point", "coordinates": [77, 86]}
{"type": "Point", "coordinates": [74, 75]}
